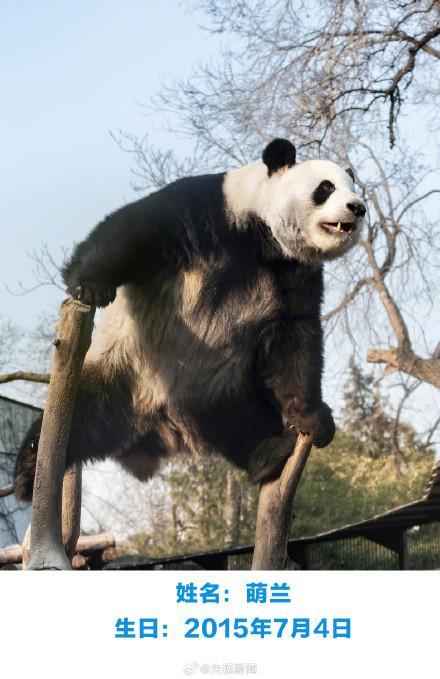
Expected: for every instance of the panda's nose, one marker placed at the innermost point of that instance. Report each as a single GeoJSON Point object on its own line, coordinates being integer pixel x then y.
{"type": "Point", "coordinates": [357, 208]}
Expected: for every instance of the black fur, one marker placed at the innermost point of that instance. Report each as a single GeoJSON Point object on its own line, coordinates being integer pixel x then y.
{"type": "Point", "coordinates": [264, 376]}
{"type": "Point", "coordinates": [278, 154]}
{"type": "Point", "coordinates": [322, 192]}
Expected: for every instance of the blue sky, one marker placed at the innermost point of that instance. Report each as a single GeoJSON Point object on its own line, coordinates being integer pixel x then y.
{"type": "Point", "coordinates": [70, 73]}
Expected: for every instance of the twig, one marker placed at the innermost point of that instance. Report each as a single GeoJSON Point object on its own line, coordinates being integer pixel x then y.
{"type": "Point", "coordinates": [6, 490]}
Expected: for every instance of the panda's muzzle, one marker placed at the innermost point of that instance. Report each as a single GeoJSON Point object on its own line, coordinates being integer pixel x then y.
{"type": "Point", "coordinates": [339, 228]}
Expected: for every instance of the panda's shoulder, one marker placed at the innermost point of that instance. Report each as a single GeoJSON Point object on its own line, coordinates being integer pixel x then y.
{"type": "Point", "coordinates": [189, 195]}
{"type": "Point", "coordinates": [196, 189]}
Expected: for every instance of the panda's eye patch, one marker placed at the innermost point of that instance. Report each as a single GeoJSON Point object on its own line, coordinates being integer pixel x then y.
{"type": "Point", "coordinates": [322, 192]}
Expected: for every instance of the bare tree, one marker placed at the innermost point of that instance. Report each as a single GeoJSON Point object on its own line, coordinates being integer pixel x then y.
{"type": "Point", "coordinates": [397, 264]}
{"type": "Point", "coordinates": [338, 80]}
{"type": "Point", "coordinates": [293, 64]}
{"type": "Point", "coordinates": [232, 509]}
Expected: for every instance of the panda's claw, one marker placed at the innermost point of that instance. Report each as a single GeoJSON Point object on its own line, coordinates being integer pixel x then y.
{"type": "Point", "coordinates": [92, 294]}
{"type": "Point", "coordinates": [79, 292]}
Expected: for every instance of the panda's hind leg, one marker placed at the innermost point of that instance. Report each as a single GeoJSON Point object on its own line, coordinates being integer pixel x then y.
{"type": "Point", "coordinates": [25, 462]}
{"type": "Point", "coordinates": [246, 428]}
{"type": "Point", "coordinates": [102, 422]}
{"type": "Point", "coordinates": [142, 459]}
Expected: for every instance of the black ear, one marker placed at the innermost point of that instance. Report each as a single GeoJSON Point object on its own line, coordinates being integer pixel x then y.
{"type": "Point", "coordinates": [350, 173]}
{"type": "Point", "coordinates": [279, 153]}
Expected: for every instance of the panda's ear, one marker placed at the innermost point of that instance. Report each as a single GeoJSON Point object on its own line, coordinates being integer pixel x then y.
{"type": "Point", "coordinates": [278, 154]}
{"type": "Point", "coordinates": [350, 173]}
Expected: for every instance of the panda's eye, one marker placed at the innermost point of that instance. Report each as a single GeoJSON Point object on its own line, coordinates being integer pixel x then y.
{"type": "Point", "coordinates": [322, 192]}
{"type": "Point", "coordinates": [327, 186]}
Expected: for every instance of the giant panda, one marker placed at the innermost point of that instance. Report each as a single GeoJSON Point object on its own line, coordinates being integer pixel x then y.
{"type": "Point", "coordinates": [210, 340]}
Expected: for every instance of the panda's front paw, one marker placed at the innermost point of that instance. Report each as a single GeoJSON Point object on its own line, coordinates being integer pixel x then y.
{"type": "Point", "coordinates": [95, 294]}
{"type": "Point", "coordinates": [268, 459]}
{"type": "Point", "coordinates": [319, 424]}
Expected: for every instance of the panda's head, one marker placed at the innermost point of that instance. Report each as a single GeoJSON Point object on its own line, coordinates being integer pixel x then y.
{"type": "Point", "coordinates": [310, 207]}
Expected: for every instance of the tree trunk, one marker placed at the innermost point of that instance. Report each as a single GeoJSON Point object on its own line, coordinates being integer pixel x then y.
{"type": "Point", "coordinates": [275, 511]}
{"type": "Point", "coordinates": [232, 509]}
{"type": "Point", "coordinates": [405, 360]}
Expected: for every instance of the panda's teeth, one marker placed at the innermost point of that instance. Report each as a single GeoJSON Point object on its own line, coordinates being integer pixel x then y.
{"type": "Point", "coordinates": [339, 227]}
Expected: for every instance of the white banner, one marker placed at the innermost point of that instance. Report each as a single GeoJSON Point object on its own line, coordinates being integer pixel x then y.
{"type": "Point", "coordinates": [208, 623]}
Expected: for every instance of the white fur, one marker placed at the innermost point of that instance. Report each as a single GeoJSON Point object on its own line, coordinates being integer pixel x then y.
{"type": "Point", "coordinates": [155, 342]}
{"type": "Point", "coordinates": [118, 347]}
{"type": "Point", "coordinates": [284, 202]}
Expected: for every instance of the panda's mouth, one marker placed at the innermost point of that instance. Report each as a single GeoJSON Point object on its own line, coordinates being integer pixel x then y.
{"type": "Point", "coordinates": [338, 228]}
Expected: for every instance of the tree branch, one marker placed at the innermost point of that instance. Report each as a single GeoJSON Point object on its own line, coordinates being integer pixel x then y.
{"type": "Point", "coordinates": [6, 490]}
{"type": "Point", "coordinates": [393, 312]}
{"type": "Point", "coordinates": [347, 298]}
{"type": "Point", "coordinates": [405, 360]}
{"type": "Point", "coordinates": [43, 378]}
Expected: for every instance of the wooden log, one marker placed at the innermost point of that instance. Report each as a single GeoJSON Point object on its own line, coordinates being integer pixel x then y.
{"type": "Point", "coordinates": [275, 511]}
{"type": "Point", "coordinates": [10, 554]}
{"type": "Point", "coordinates": [95, 543]}
{"type": "Point", "coordinates": [71, 508]}
{"type": "Point", "coordinates": [74, 336]}
{"type": "Point", "coordinates": [110, 554]}
{"type": "Point", "coordinates": [87, 544]}
{"type": "Point", "coordinates": [79, 561]}
{"type": "Point", "coordinates": [26, 548]}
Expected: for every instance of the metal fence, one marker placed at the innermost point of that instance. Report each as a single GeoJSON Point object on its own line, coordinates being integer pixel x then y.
{"type": "Point", "coordinates": [423, 544]}
{"type": "Point", "coordinates": [351, 553]}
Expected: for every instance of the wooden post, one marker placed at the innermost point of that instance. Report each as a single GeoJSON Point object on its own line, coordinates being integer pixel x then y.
{"type": "Point", "coordinates": [74, 335]}
{"type": "Point", "coordinates": [71, 508]}
{"type": "Point", "coordinates": [71, 515]}
{"type": "Point", "coordinates": [275, 511]}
